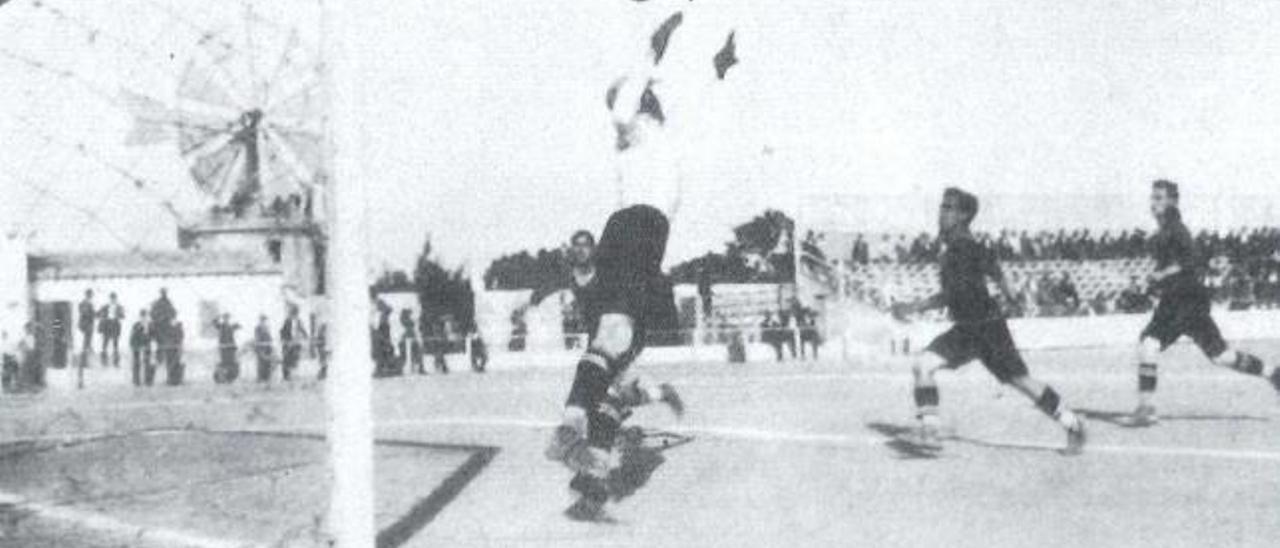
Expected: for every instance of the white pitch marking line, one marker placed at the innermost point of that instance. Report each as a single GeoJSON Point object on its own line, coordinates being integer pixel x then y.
{"type": "Point", "coordinates": [853, 375]}
{"type": "Point", "coordinates": [839, 440]}
{"type": "Point", "coordinates": [149, 535]}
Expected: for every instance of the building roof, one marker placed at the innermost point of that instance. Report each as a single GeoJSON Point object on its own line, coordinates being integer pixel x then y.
{"type": "Point", "coordinates": [88, 265]}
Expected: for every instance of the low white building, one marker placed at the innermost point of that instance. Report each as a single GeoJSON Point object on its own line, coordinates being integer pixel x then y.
{"type": "Point", "coordinates": [200, 284]}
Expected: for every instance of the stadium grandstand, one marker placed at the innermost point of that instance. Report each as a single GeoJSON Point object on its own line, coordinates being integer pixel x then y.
{"type": "Point", "coordinates": [1064, 272]}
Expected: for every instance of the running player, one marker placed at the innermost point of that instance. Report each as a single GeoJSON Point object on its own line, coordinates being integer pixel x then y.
{"type": "Point", "coordinates": [627, 296]}
{"type": "Point", "coordinates": [1183, 307]}
{"type": "Point", "coordinates": [979, 330]}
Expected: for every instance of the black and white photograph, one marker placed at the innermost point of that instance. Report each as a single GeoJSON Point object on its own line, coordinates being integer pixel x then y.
{"type": "Point", "coordinates": [639, 273]}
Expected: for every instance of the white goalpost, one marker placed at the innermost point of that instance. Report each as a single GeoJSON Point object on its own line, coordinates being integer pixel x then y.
{"type": "Point", "coordinates": [348, 389]}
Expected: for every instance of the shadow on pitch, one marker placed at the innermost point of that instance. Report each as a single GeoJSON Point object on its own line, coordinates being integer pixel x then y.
{"type": "Point", "coordinates": [1124, 419]}
{"type": "Point", "coordinates": [902, 440]}
{"type": "Point", "coordinates": [640, 455]}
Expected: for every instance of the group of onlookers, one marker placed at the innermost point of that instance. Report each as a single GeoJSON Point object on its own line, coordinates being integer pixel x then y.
{"type": "Point", "coordinates": [156, 338]}
{"type": "Point", "coordinates": [294, 339]}
{"type": "Point", "coordinates": [784, 328]}
{"type": "Point", "coordinates": [419, 338]}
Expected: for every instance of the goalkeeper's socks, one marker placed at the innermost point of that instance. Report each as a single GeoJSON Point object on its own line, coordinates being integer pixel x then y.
{"type": "Point", "coordinates": [590, 382]}
{"type": "Point", "coordinates": [1051, 404]}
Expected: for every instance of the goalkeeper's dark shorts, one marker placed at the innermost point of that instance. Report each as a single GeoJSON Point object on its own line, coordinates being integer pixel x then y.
{"type": "Point", "coordinates": [988, 342]}
{"type": "Point", "coordinates": [629, 278]}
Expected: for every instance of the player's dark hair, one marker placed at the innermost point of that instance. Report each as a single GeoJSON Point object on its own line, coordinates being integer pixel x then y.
{"type": "Point", "coordinates": [968, 202]}
{"type": "Point", "coordinates": [584, 233]}
{"type": "Point", "coordinates": [1169, 187]}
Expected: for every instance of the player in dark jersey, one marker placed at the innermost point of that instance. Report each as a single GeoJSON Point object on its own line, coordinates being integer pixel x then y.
{"type": "Point", "coordinates": [979, 330]}
{"type": "Point", "coordinates": [630, 389]}
{"type": "Point", "coordinates": [627, 296]}
{"type": "Point", "coordinates": [1183, 307]}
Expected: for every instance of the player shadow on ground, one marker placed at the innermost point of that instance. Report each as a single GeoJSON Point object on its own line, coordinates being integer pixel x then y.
{"type": "Point", "coordinates": [1124, 419]}
{"type": "Point", "coordinates": [640, 455]}
{"type": "Point", "coordinates": [903, 440]}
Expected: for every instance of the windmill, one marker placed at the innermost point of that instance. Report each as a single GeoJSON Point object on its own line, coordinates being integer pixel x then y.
{"type": "Point", "coordinates": [246, 117]}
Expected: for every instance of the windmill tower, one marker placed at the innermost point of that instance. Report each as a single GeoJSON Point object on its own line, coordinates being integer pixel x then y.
{"type": "Point", "coordinates": [247, 120]}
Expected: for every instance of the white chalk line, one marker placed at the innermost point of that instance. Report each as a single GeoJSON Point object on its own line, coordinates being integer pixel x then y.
{"type": "Point", "coordinates": [159, 536]}
{"type": "Point", "coordinates": [720, 382]}
{"type": "Point", "coordinates": [843, 440]}
{"type": "Point", "coordinates": [746, 434]}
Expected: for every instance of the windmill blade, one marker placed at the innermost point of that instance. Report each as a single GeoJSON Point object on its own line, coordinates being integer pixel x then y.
{"type": "Point", "coordinates": [199, 85]}
{"type": "Point", "coordinates": [302, 151]}
{"type": "Point", "coordinates": [213, 172]}
{"type": "Point", "coordinates": [310, 128]}
{"type": "Point", "coordinates": [148, 132]}
{"type": "Point", "coordinates": [301, 104]}
{"type": "Point", "coordinates": [154, 122]}
{"type": "Point", "coordinates": [197, 141]}
{"type": "Point", "coordinates": [283, 173]}
{"type": "Point", "coordinates": [286, 66]}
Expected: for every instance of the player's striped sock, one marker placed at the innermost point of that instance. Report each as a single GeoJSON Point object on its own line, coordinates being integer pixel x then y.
{"type": "Point", "coordinates": [926, 401]}
{"type": "Point", "coordinates": [1248, 364]}
{"type": "Point", "coordinates": [1147, 375]}
{"type": "Point", "coordinates": [1051, 404]}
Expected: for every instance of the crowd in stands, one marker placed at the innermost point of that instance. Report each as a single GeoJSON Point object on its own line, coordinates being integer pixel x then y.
{"type": "Point", "coordinates": [1242, 266]}
{"type": "Point", "coordinates": [1241, 245]}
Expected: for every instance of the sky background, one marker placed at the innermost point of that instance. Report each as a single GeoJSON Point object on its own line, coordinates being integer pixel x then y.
{"type": "Point", "coordinates": [484, 123]}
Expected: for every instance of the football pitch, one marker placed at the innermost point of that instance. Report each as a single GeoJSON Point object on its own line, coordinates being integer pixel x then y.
{"type": "Point", "coordinates": [768, 454]}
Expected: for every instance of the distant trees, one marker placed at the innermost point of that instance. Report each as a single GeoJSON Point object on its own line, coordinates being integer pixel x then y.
{"type": "Point", "coordinates": [761, 252]}
{"type": "Point", "coordinates": [441, 292]}
{"type": "Point", "coordinates": [548, 268]}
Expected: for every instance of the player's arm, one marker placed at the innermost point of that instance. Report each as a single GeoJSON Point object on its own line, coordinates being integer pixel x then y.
{"type": "Point", "coordinates": [996, 274]}
{"type": "Point", "coordinates": [932, 302]}
{"type": "Point", "coordinates": [548, 288]}
{"type": "Point", "coordinates": [1159, 275]}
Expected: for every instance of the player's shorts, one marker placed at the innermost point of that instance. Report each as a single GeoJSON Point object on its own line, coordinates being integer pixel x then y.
{"type": "Point", "coordinates": [988, 342]}
{"type": "Point", "coordinates": [1185, 314]}
{"type": "Point", "coordinates": [629, 272]}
